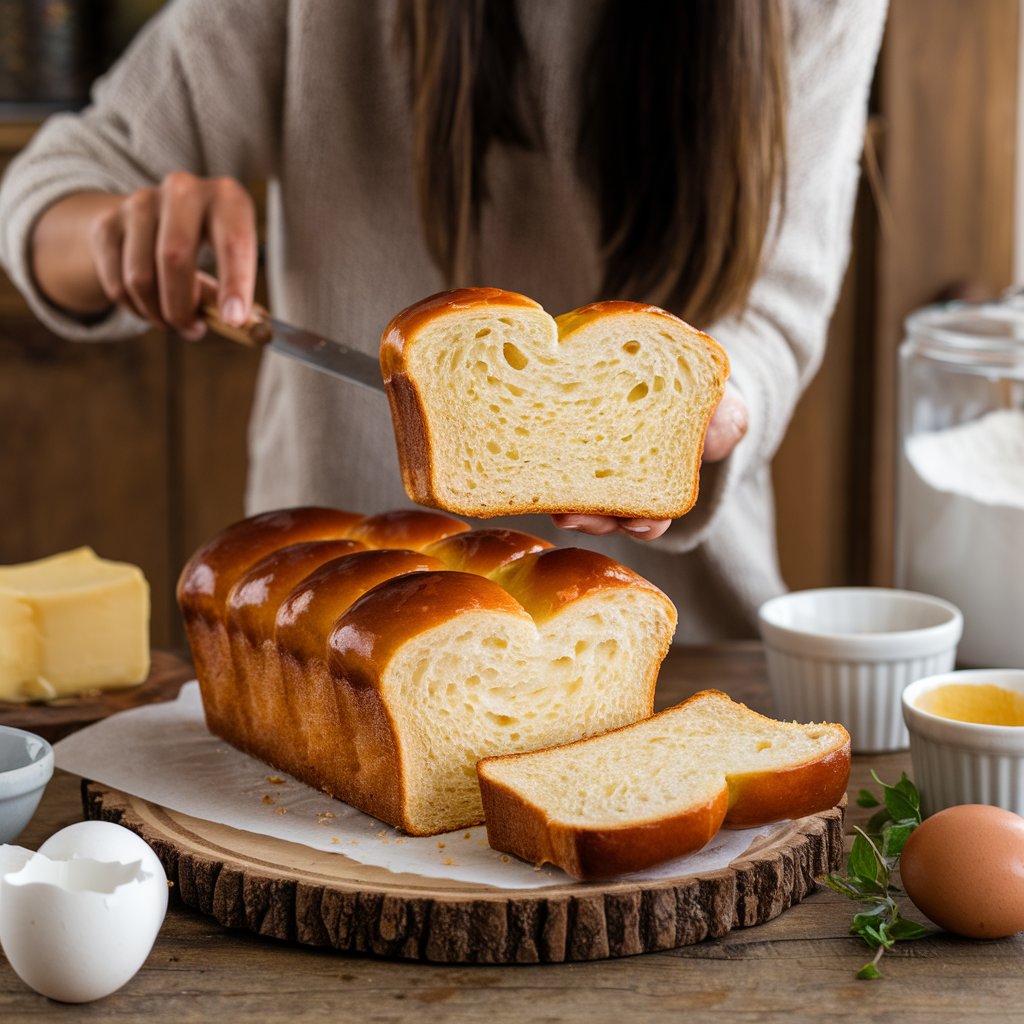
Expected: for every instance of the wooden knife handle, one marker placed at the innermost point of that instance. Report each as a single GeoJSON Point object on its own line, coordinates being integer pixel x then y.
{"type": "Point", "coordinates": [254, 333]}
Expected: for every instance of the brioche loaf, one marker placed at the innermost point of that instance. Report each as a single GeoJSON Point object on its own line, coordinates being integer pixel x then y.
{"type": "Point", "coordinates": [499, 409]}
{"type": "Point", "coordinates": [660, 788]}
{"type": "Point", "coordinates": [379, 658]}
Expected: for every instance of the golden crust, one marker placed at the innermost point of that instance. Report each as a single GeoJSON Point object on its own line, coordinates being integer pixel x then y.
{"type": "Point", "coordinates": [409, 418]}
{"type": "Point", "coordinates": [208, 577]}
{"type": "Point", "coordinates": [211, 572]}
{"type": "Point", "coordinates": [517, 825]}
{"type": "Point", "coordinates": [486, 551]}
{"type": "Point", "coordinates": [253, 598]}
{"type": "Point", "coordinates": [547, 581]}
{"type": "Point", "coordinates": [412, 423]}
{"type": "Point", "coordinates": [522, 828]}
{"type": "Point", "coordinates": [595, 311]}
{"type": "Point", "coordinates": [760, 798]}
{"type": "Point", "coordinates": [309, 612]}
{"type": "Point", "coordinates": [405, 528]}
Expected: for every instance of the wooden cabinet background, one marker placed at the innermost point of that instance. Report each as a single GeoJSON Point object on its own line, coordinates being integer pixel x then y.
{"type": "Point", "coordinates": [138, 448]}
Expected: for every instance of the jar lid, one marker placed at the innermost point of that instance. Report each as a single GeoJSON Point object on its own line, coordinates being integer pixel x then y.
{"type": "Point", "coordinates": [989, 333]}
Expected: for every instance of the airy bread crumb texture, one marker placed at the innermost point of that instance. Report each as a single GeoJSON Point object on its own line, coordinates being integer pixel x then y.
{"type": "Point", "coordinates": [604, 410]}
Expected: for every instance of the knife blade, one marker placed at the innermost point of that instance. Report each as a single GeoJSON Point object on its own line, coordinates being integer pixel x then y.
{"type": "Point", "coordinates": [333, 357]}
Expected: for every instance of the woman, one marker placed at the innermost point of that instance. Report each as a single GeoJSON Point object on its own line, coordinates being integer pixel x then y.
{"type": "Point", "coordinates": [703, 156]}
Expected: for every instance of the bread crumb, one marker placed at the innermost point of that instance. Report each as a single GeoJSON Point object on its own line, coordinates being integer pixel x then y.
{"type": "Point", "coordinates": [267, 798]}
{"type": "Point", "coordinates": [335, 840]}
{"type": "Point", "coordinates": [505, 858]}
{"type": "Point", "coordinates": [449, 863]}
{"type": "Point", "coordinates": [275, 780]}
{"type": "Point", "coordinates": [468, 835]}
{"type": "Point", "coordinates": [322, 817]}
{"type": "Point", "coordinates": [281, 810]}
{"type": "Point", "coordinates": [398, 842]}
{"type": "Point", "coordinates": [381, 835]}
{"type": "Point", "coordinates": [440, 846]}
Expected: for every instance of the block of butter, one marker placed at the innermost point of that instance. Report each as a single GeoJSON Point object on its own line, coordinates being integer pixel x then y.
{"type": "Point", "coordinates": [72, 622]}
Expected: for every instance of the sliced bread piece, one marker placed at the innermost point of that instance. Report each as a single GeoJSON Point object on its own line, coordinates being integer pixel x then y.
{"type": "Point", "coordinates": [660, 788]}
{"type": "Point", "coordinates": [499, 409]}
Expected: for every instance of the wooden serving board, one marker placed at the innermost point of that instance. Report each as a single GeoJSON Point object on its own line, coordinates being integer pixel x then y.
{"type": "Point", "coordinates": [287, 891]}
{"type": "Point", "coordinates": [53, 720]}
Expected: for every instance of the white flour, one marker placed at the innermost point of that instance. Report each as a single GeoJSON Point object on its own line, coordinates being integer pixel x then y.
{"type": "Point", "coordinates": [963, 515]}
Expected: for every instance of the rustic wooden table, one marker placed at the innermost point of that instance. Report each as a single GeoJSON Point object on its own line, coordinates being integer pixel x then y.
{"type": "Point", "coordinates": [799, 967]}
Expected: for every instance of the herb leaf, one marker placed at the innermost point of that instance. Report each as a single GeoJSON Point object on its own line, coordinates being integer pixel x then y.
{"type": "Point", "coordinates": [902, 800]}
{"type": "Point", "coordinates": [909, 790]}
{"type": "Point", "coordinates": [899, 807]}
{"type": "Point", "coordinates": [895, 836]}
{"type": "Point", "coordinates": [874, 855]}
{"type": "Point", "coordinates": [878, 821]}
{"type": "Point", "coordinates": [854, 888]}
{"type": "Point", "coordinates": [863, 864]}
{"type": "Point", "coordinates": [904, 930]}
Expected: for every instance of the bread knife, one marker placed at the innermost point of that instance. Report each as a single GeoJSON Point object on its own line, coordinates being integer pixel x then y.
{"type": "Point", "coordinates": [262, 330]}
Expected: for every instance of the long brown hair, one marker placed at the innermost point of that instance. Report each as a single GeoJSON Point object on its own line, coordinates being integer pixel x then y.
{"type": "Point", "coordinates": [681, 143]}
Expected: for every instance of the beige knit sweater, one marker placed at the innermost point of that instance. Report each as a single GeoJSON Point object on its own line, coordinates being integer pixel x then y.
{"type": "Point", "coordinates": [310, 94]}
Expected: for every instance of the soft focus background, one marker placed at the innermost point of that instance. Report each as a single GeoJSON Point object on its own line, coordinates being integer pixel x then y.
{"type": "Point", "coordinates": [138, 448]}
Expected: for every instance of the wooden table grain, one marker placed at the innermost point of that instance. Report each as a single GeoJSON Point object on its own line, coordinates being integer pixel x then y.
{"type": "Point", "coordinates": [799, 967]}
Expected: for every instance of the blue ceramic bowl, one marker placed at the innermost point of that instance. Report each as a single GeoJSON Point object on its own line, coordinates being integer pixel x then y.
{"type": "Point", "coordinates": [26, 765]}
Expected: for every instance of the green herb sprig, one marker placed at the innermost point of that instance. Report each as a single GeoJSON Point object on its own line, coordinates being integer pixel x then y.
{"type": "Point", "coordinates": [873, 858]}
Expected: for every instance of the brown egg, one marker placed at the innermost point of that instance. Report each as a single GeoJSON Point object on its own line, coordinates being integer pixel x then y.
{"type": "Point", "coordinates": [964, 869]}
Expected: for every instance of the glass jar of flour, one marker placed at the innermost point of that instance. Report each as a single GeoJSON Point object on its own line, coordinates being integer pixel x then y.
{"type": "Point", "coordinates": [960, 497]}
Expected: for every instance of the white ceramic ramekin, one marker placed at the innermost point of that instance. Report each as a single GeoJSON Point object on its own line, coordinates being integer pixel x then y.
{"type": "Point", "coordinates": [964, 762]}
{"type": "Point", "coordinates": [26, 765]}
{"type": "Point", "coordinates": [846, 654]}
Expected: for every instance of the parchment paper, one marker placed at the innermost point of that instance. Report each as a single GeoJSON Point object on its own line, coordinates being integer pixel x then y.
{"type": "Point", "coordinates": [164, 753]}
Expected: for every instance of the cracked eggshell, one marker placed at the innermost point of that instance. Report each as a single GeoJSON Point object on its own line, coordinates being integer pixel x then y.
{"type": "Point", "coordinates": [105, 841]}
{"type": "Point", "coordinates": [78, 919]}
{"type": "Point", "coordinates": [13, 858]}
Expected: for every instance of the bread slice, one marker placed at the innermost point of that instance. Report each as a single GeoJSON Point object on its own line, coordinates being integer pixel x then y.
{"type": "Point", "coordinates": [661, 788]}
{"type": "Point", "coordinates": [379, 658]}
{"type": "Point", "coordinates": [499, 409]}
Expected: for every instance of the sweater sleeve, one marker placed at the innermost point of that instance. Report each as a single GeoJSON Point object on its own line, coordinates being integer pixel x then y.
{"type": "Point", "coordinates": [198, 90]}
{"type": "Point", "coordinates": [776, 345]}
